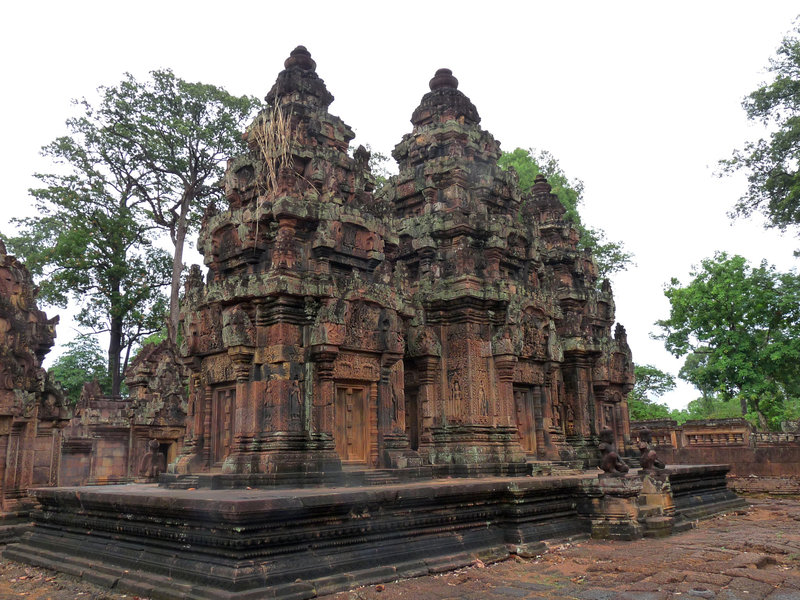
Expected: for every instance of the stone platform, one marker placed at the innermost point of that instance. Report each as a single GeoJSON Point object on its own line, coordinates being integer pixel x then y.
{"type": "Point", "coordinates": [302, 543]}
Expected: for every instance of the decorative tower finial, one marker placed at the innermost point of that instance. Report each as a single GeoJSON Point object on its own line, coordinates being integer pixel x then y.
{"type": "Point", "coordinates": [300, 57]}
{"type": "Point", "coordinates": [541, 185]}
{"type": "Point", "coordinates": [443, 80]}
{"type": "Point", "coordinates": [299, 79]}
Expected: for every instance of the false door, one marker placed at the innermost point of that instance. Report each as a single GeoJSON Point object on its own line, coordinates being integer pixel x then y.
{"type": "Point", "coordinates": [222, 424]}
{"type": "Point", "coordinates": [351, 423]}
{"type": "Point", "coordinates": [526, 418]}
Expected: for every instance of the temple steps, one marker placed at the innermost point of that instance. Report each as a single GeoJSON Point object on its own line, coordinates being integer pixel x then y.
{"type": "Point", "coordinates": [556, 468]}
{"type": "Point", "coordinates": [184, 483]}
{"type": "Point", "coordinates": [380, 477]}
{"type": "Point", "coordinates": [632, 462]}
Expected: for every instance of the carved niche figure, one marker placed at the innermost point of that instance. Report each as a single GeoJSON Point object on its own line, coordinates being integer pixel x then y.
{"type": "Point", "coordinates": [610, 462]}
{"type": "Point", "coordinates": [570, 420]}
{"type": "Point", "coordinates": [534, 342]}
{"type": "Point", "coordinates": [295, 400]}
{"type": "Point", "coordinates": [455, 399]}
{"type": "Point", "coordinates": [556, 411]}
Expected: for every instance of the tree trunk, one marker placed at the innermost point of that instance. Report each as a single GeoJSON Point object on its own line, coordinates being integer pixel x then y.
{"type": "Point", "coordinates": [177, 270]}
{"type": "Point", "coordinates": [114, 349]}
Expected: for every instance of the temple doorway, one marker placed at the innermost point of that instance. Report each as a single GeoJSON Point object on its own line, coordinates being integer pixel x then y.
{"type": "Point", "coordinates": [351, 423]}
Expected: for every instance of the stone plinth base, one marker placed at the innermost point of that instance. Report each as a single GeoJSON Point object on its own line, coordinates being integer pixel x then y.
{"type": "Point", "coordinates": [614, 508]}
{"type": "Point", "coordinates": [301, 543]}
{"type": "Point", "coordinates": [165, 543]}
{"type": "Point", "coordinates": [656, 508]}
{"type": "Point", "coordinates": [13, 524]}
{"type": "Point", "coordinates": [699, 491]}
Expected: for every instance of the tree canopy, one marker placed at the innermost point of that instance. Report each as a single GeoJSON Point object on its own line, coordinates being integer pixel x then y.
{"type": "Point", "coordinates": [90, 241]}
{"type": "Point", "coordinates": [145, 159]}
{"type": "Point", "coordinates": [82, 361]}
{"type": "Point", "coordinates": [178, 135]}
{"type": "Point", "coordinates": [610, 256]}
{"type": "Point", "coordinates": [739, 327]}
{"type": "Point", "coordinates": [651, 383]}
{"type": "Point", "coordinates": [772, 163]}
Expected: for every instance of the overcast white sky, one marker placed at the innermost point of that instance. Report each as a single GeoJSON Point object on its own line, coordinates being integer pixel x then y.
{"type": "Point", "coordinates": [638, 99]}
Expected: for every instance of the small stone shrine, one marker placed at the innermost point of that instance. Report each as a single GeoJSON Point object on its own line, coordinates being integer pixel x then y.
{"type": "Point", "coordinates": [109, 437]}
{"type": "Point", "coordinates": [32, 410]}
{"type": "Point", "coordinates": [449, 321]}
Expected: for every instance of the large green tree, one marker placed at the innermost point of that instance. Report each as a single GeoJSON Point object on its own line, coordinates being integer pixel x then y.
{"type": "Point", "coordinates": [610, 256]}
{"type": "Point", "coordinates": [180, 134]}
{"type": "Point", "coordinates": [772, 163]}
{"type": "Point", "coordinates": [739, 326]}
{"type": "Point", "coordinates": [91, 241]}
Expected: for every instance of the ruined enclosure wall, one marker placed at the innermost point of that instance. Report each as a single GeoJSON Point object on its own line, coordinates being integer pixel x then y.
{"type": "Point", "coordinates": [448, 320]}
{"type": "Point", "coordinates": [772, 457]}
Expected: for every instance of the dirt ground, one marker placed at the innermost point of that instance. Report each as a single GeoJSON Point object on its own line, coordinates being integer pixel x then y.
{"type": "Point", "coordinates": [752, 554]}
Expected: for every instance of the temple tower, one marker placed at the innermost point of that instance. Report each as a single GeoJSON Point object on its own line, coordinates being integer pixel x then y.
{"type": "Point", "coordinates": [509, 353]}
{"type": "Point", "coordinates": [455, 207]}
{"type": "Point", "coordinates": [295, 340]}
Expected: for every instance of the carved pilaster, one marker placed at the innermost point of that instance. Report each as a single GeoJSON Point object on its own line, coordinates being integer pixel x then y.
{"type": "Point", "coordinates": [427, 374]}
{"type": "Point", "coordinates": [323, 357]}
{"type": "Point", "coordinates": [504, 365]}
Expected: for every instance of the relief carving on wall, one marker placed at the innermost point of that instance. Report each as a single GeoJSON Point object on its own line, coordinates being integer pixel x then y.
{"type": "Point", "coordinates": [354, 367]}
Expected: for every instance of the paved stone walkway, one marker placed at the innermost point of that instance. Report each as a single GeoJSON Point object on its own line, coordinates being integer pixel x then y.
{"type": "Point", "coordinates": [749, 555]}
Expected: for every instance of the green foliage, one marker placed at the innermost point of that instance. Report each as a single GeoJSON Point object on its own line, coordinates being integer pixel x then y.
{"type": "Point", "coordinates": [529, 163]}
{"type": "Point", "coordinates": [651, 383]}
{"type": "Point", "coordinates": [710, 407]}
{"type": "Point", "coordinates": [181, 133]}
{"type": "Point", "coordinates": [379, 166]}
{"type": "Point", "coordinates": [772, 163]}
{"type": "Point", "coordinates": [81, 362]}
{"type": "Point", "coordinates": [91, 241]}
{"type": "Point", "coordinates": [155, 338]}
{"type": "Point", "coordinates": [611, 257]}
{"type": "Point", "coordinates": [178, 136]}
{"type": "Point", "coordinates": [739, 328]}
{"type": "Point", "coordinates": [146, 158]}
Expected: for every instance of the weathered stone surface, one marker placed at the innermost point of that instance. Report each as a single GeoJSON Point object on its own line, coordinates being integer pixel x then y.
{"type": "Point", "coordinates": [32, 410]}
{"type": "Point", "coordinates": [577, 569]}
{"type": "Point", "coordinates": [450, 321]}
